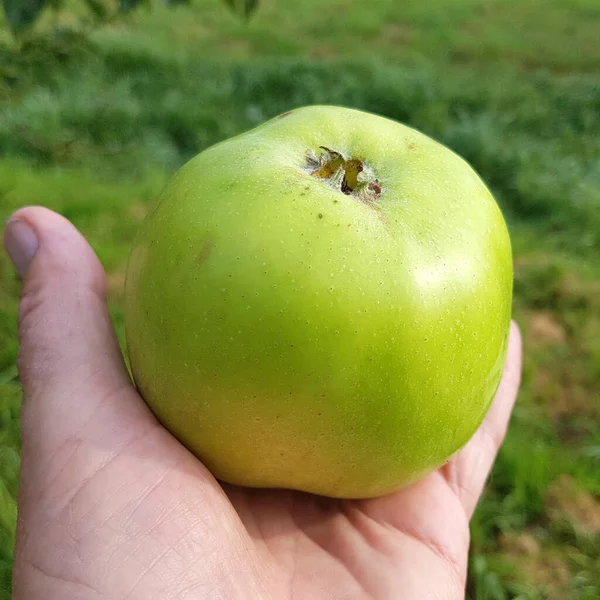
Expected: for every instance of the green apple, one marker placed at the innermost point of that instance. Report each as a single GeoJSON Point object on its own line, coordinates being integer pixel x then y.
{"type": "Point", "coordinates": [322, 303]}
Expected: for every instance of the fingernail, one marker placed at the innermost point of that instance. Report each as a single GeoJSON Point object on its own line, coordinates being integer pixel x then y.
{"type": "Point", "coordinates": [21, 243]}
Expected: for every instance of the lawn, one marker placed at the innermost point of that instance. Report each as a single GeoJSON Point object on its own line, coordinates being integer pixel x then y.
{"type": "Point", "coordinates": [92, 127]}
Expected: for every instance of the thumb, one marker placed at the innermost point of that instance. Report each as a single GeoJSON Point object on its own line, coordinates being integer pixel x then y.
{"type": "Point", "coordinates": [70, 365]}
{"type": "Point", "coordinates": [99, 475]}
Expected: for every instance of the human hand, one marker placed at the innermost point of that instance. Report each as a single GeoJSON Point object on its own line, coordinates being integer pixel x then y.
{"type": "Point", "coordinates": [112, 506]}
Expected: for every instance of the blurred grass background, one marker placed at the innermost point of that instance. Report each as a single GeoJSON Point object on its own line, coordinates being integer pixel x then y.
{"type": "Point", "coordinates": [92, 124]}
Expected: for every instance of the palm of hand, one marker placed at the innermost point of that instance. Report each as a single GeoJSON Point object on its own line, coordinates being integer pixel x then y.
{"type": "Point", "coordinates": [149, 521]}
{"type": "Point", "coordinates": [112, 506]}
{"type": "Point", "coordinates": [412, 544]}
{"type": "Point", "coordinates": [134, 515]}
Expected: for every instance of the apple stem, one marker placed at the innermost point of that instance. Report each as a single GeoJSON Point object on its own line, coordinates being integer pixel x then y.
{"type": "Point", "coordinates": [348, 175]}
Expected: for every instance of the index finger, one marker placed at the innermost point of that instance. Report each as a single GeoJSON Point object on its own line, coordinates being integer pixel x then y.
{"type": "Point", "coordinates": [468, 470]}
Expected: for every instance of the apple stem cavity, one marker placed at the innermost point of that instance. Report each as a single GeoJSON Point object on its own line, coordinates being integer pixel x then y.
{"type": "Point", "coordinates": [348, 175]}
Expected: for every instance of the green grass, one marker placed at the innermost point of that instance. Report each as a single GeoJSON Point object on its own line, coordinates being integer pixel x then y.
{"type": "Point", "coordinates": [93, 129]}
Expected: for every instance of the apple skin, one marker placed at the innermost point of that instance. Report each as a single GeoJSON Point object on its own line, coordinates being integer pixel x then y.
{"type": "Point", "coordinates": [294, 336]}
